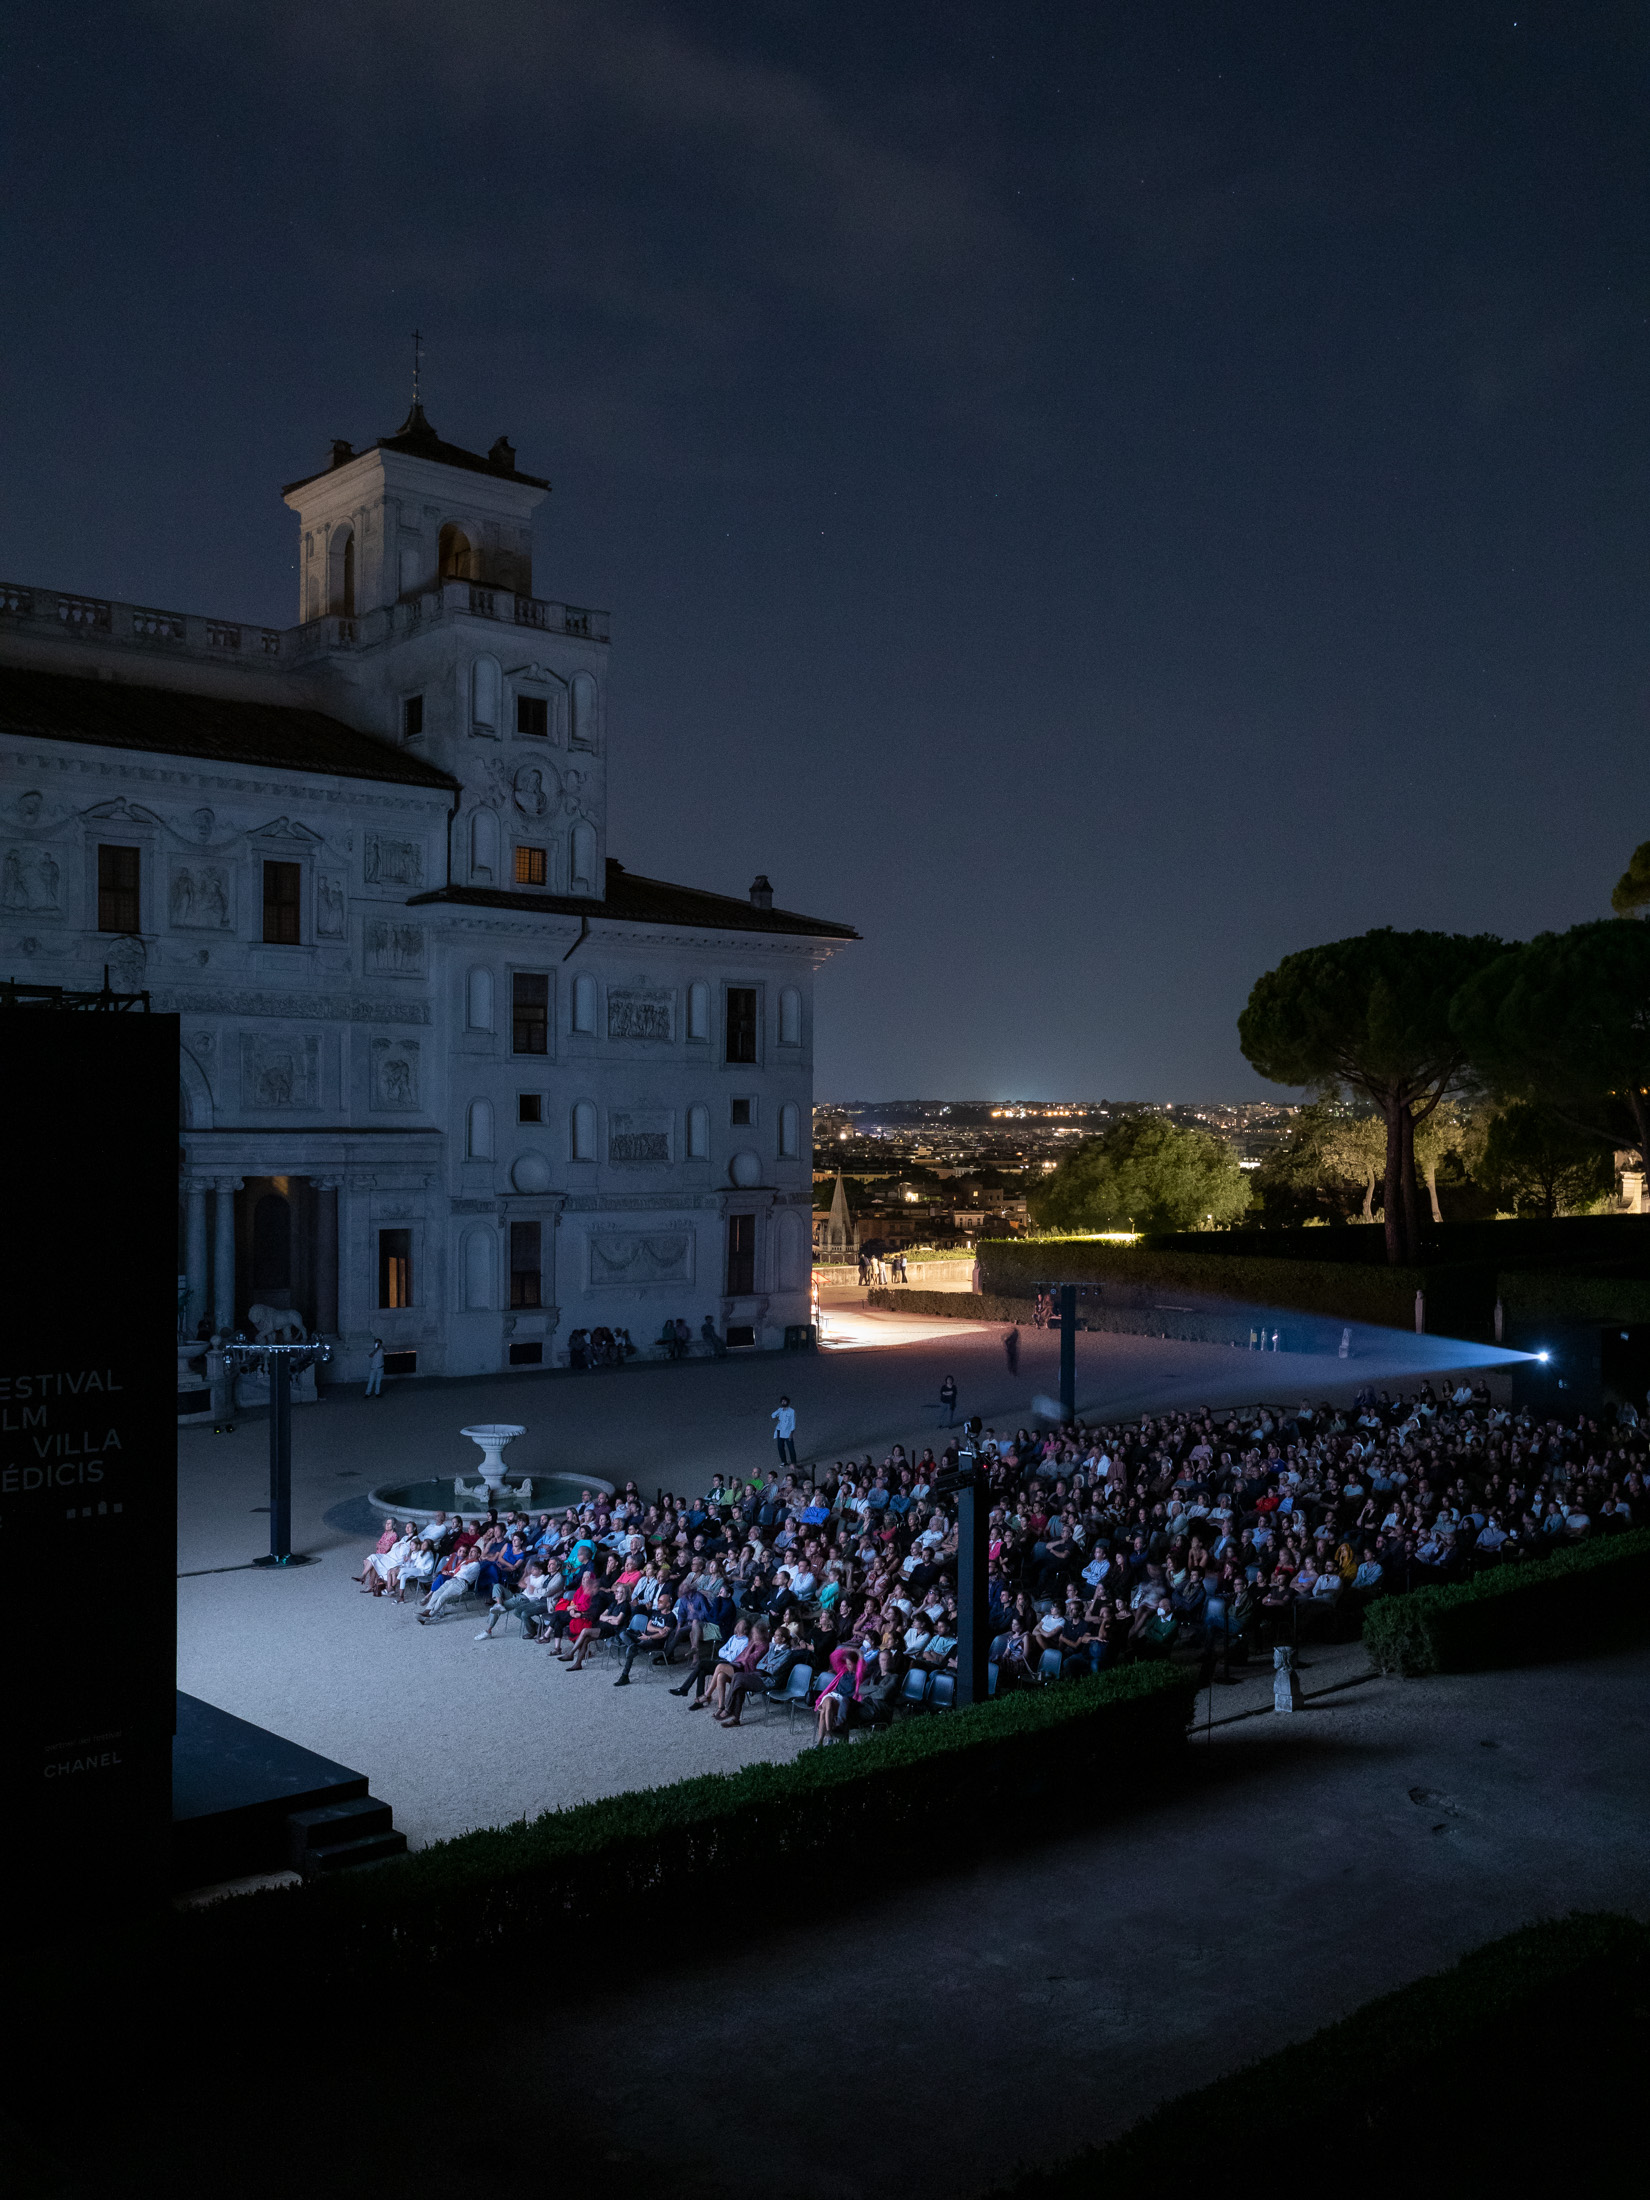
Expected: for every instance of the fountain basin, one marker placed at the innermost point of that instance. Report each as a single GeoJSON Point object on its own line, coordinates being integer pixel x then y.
{"type": "Point", "coordinates": [421, 1500]}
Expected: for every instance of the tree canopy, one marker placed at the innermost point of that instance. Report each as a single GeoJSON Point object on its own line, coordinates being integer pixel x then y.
{"type": "Point", "coordinates": [1538, 1164]}
{"type": "Point", "coordinates": [1373, 1014]}
{"type": "Point", "coordinates": [1632, 889]}
{"type": "Point", "coordinates": [1143, 1173]}
{"type": "Point", "coordinates": [1564, 1021]}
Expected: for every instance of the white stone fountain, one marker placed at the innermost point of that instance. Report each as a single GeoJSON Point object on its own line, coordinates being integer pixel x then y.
{"type": "Point", "coordinates": [492, 1436]}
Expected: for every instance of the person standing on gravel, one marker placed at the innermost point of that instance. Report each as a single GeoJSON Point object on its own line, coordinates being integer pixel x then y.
{"type": "Point", "coordinates": [784, 1432]}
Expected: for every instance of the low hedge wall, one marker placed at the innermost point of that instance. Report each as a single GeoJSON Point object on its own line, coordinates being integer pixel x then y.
{"type": "Point", "coordinates": [928, 1789]}
{"type": "Point", "coordinates": [1588, 1597]}
{"type": "Point", "coordinates": [1570, 1295]}
{"type": "Point", "coordinates": [1460, 1295]}
{"type": "Point", "coordinates": [974, 1306]}
{"type": "Point", "coordinates": [1422, 2087]}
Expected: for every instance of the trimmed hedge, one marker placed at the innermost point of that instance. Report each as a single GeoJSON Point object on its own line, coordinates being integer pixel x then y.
{"type": "Point", "coordinates": [1565, 1294]}
{"type": "Point", "coordinates": [1460, 1295]}
{"type": "Point", "coordinates": [974, 1306]}
{"type": "Point", "coordinates": [1420, 2087]}
{"type": "Point", "coordinates": [926, 1789]}
{"type": "Point", "coordinates": [1512, 1615]}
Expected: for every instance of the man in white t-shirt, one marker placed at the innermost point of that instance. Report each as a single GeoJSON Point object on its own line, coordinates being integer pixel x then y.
{"type": "Point", "coordinates": [784, 1432]}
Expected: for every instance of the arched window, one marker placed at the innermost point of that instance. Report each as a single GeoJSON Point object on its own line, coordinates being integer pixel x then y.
{"type": "Point", "coordinates": [698, 1134]}
{"type": "Point", "coordinates": [484, 847]}
{"type": "Point", "coordinates": [341, 572]}
{"type": "Point", "coordinates": [584, 1003]}
{"type": "Point", "coordinates": [698, 1010]}
{"type": "Point", "coordinates": [478, 1269]}
{"type": "Point", "coordinates": [584, 711]}
{"type": "Point", "coordinates": [790, 1125]}
{"type": "Point", "coordinates": [457, 559]}
{"type": "Point", "coordinates": [486, 686]}
{"type": "Point", "coordinates": [584, 856]}
{"type": "Point", "coordinates": [790, 1017]}
{"type": "Point", "coordinates": [478, 1143]}
{"type": "Point", "coordinates": [478, 1000]}
{"type": "Point", "coordinates": [584, 1131]}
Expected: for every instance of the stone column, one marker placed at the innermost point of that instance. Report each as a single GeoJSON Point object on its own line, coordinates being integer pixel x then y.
{"type": "Point", "coordinates": [326, 1254]}
{"type": "Point", "coordinates": [223, 1254]}
{"type": "Point", "coordinates": [194, 1252]}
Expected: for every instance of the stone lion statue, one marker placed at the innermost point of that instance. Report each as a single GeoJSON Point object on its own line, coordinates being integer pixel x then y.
{"type": "Point", "coordinates": [275, 1324]}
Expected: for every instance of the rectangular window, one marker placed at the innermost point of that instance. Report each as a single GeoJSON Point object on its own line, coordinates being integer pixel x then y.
{"type": "Point", "coordinates": [118, 877]}
{"type": "Point", "coordinates": [740, 1113]}
{"type": "Point", "coordinates": [529, 1107]}
{"type": "Point", "coordinates": [532, 715]}
{"type": "Point", "coordinates": [525, 1263]}
{"type": "Point", "coordinates": [412, 717]}
{"type": "Point", "coordinates": [530, 870]}
{"type": "Point", "coordinates": [524, 1355]}
{"type": "Point", "coordinates": [400, 1363]}
{"type": "Point", "coordinates": [530, 1012]}
{"type": "Point", "coordinates": [741, 1023]}
{"type": "Point", "coordinates": [283, 888]}
{"type": "Point", "coordinates": [395, 1268]}
{"type": "Point", "coordinates": [741, 1255]}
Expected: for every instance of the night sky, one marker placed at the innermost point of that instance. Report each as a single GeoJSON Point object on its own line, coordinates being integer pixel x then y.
{"type": "Point", "coordinates": [1097, 497]}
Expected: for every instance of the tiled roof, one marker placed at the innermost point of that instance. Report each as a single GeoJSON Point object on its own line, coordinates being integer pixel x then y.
{"type": "Point", "coordinates": [632, 899]}
{"type": "Point", "coordinates": [418, 439]}
{"type": "Point", "coordinates": [114, 714]}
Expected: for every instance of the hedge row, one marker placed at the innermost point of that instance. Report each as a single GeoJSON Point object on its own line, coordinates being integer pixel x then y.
{"type": "Point", "coordinates": [1460, 1296]}
{"type": "Point", "coordinates": [1422, 2087]}
{"type": "Point", "coordinates": [1587, 1597]}
{"type": "Point", "coordinates": [927, 1789]}
{"type": "Point", "coordinates": [972, 1306]}
{"type": "Point", "coordinates": [1563, 1294]}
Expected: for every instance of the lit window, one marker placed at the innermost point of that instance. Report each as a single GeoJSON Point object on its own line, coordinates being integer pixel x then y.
{"type": "Point", "coordinates": [530, 866]}
{"type": "Point", "coordinates": [395, 1268]}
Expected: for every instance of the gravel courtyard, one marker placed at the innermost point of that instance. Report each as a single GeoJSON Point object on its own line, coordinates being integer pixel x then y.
{"type": "Point", "coordinates": [454, 1733]}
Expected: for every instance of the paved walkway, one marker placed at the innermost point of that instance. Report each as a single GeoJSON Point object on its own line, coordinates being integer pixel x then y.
{"type": "Point", "coordinates": [455, 1734]}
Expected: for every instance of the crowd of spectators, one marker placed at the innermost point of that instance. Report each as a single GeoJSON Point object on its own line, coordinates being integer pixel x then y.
{"type": "Point", "coordinates": [1200, 1534]}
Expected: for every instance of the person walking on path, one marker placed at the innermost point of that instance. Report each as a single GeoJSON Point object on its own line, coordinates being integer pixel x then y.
{"type": "Point", "coordinates": [1011, 1351]}
{"type": "Point", "coordinates": [375, 1369]}
{"type": "Point", "coordinates": [948, 1399]}
{"type": "Point", "coordinates": [784, 1432]}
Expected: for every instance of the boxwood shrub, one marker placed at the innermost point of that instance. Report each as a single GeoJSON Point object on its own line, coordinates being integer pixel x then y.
{"type": "Point", "coordinates": [1586, 1597]}
{"type": "Point", "coordinates": [1423, 2089]}
{"type": "Point", "coordinates": [929, 1790]}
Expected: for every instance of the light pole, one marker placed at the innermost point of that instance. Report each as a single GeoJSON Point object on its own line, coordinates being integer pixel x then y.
{"type": "Point", "coordinates": [279, 1362]}
{"type": "Point", "coordinates": [973, 1519]}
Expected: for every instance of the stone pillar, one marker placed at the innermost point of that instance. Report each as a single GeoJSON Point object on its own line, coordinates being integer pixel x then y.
{"type": "Point", "coordinates": [194, 1253]}
{"type": "Point", "coordinates": [223, 1254]}
{"type": "Point", "coordinates": [326, 1254]}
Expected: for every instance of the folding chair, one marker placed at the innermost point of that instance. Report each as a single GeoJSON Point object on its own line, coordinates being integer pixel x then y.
{"type": "Point", "coordinates": [942, 1691]}
{"type": "Point", "coordinates": [915, 1691]}
{"type": "Point", "coordinates": [794, 1694]}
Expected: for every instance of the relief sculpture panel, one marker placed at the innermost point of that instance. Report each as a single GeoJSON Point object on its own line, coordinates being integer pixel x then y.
{"type": "Point", "coordinates": [637, 1140]}
{"type": "Point", "coordinates": [634, 1013]}
{"type": "Point", "coordinates": [280, 1072]}
{"type": "Point", "coordinates": [630, 1257]}
{"type": "Point", "coordinates": [394, 950]}
{"type": "Point", "coordinates": [395, 1073]}
{"type": "Point", "coordinates": [198, 897]}
{"type": "Point", "coordinates": [393, 862]}
{"type": "Point", "coordinates": [30, 878]}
